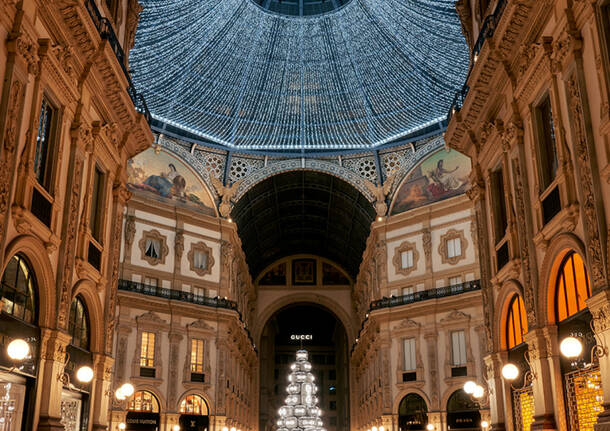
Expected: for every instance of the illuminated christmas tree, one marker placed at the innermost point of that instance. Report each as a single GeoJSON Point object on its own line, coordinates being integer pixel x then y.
{"type": "Point", "coordinates": [301, 412]}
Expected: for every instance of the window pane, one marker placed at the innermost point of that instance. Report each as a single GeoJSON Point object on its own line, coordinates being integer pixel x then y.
{"type": "Point", "coordinates": [147, 354]}
{"type": "Point", "coordinates": [97, 204]}
{"type": "Point", "coordinates": [41, 156]}
{"type": "Point", "coordinates": [407, 259]}
{"type": "Point", "coordinates": [458, 348]}
{"type": "Point", "coordinates": [409, 354]}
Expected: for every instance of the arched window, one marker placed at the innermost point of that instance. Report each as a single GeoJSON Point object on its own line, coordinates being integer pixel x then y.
{"type": "Point", "coordinates": [462, 412]}
{"type": "Point", "coordinates": [516, 322]}
{"type": "Point", "coordinates": [572, 287]}
{"type": "Point", "coordinates": [143, 401]}
{"type": "Point", "coordinates": [18, 289]}
{"type": "Point", "coordinates": [194, 405]}
{"type": "Point", "coordinates": [412, 413]}
{"type": "Point", "coordinates": [79, 324]}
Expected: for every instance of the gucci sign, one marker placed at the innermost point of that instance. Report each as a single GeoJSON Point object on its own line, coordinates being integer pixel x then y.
{"type": "Point", "coordinates": [301, 337]}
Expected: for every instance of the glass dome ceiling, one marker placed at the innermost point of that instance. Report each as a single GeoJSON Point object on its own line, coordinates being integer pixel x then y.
{"type": "Point", "coordinates": [363, 75]}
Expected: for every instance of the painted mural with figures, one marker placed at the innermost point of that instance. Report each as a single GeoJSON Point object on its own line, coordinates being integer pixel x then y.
{"type": "Point", "coordinates": [162, 176]}
{"type": "Point", "coordinates": [440, 176]}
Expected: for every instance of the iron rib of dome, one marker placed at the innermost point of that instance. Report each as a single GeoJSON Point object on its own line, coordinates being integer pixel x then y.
{"type": "Point", "coordinates": [356, 78]}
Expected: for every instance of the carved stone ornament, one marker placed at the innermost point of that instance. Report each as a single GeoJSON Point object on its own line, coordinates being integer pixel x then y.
{"type": "Point", "coordinates": [443, 249]}
{"type": "Point", "coordinates": [201, 324]}
{"type": "Point", "coordinates": [588, 199]}
{"type": "Point", "coordinates": [130, 230]}
{"type": "Point", "coordinates": [397, 259]}
{"type": "Point", "coordinates": [164, 249]}
{"type": "Point", "coordinates": [150, 318]}
{"type": "Point", "coordinates": [201, 247]}
{"type": "Point", "coordinates": [407, 324]}
{"type": "Point", "coordinates": [454, 316]}
{"type": "Point", "coordinates": [179, 245]}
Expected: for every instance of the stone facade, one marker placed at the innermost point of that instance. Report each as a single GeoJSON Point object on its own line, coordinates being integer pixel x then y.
{"type": "Point", "coordinates": [178, 303]}
{"type": "Point", "coordinates": [536, 125]}
{"type": "Point", "coordinates": [66, 121]}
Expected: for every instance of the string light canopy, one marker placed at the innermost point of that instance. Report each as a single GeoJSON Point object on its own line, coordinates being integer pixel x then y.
{"type": "Point", "coordinates": [364, 74]}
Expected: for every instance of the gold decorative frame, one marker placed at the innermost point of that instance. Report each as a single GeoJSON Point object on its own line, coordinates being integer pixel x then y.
{"type": "Point", "coordinates": [442, 247]}
{"type": "Point", "coordinates": [153, 234]}
{"type": "Point", "coordinates": [396, 260]}
{"type": "Point", "coordinates": [202, 247]}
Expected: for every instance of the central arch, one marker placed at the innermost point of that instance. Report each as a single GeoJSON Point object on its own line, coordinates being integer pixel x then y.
{"type": "Point", "coordinates": [303, 212]}
{"type": "Point", "coordinates": [328, 353]}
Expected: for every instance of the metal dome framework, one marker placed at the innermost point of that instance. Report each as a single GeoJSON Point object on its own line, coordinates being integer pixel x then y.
{"type": "Point", "coordinates": [367, 74]}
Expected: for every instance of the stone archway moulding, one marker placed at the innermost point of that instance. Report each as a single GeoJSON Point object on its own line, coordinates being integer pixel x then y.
{"type": "Point", "coordinates": [299, 298]}
{"type": "Point", "coordinates": [557, 248]}
{"type": "Point", "coordinates": [202, 394]}
{"type": "Point", "coordinates": [406, 392]}
{"type": "Point", "coordinates": [88, 291]}
{"type": "Point", "coordinates": [508, 289]}
{"type": "Point", "coordinates": [37, 255]}
{"type": "Point", "coordinates": [313, 165]}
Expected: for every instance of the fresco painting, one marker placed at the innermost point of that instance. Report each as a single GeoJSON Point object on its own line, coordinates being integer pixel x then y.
{"type": "Point", "coordinates": [442, 175]}
{"type": "Point", "coordinates": [163, 176]}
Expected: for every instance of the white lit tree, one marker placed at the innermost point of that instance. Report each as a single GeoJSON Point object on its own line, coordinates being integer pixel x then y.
{"type": "Point", "coordinates": [301, 412]}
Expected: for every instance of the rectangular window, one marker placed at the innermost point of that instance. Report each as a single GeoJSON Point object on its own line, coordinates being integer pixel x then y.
{"type": "Point", "coordinates": [454, 247]}
{"type": "Point", "coordinates": [153, 248]}
{"type": "Point", "coordinates": [332, 374]}
{"type": "Point", "coordinates": [150, 281]}
{"type": "Point", "coordinates": [458, 348]}
{"type": "Point", "coordinates": [406, 259]}
{"type": "Point", "coordinates": [498, 204]}
{"type": "Point", "coordinates": [332, 405]}
{"type": "Point", "coordinates": [42, 158]}
{"type": "Point", "coordinates": [455, 281]}
{"type": "Point", "coordinates": [410, 362]}
{"type": "Point", "coordinates": [198, 292]}
{"type": "Point", "coordinates": [196, 356]}
{"type": "Point", "coordinates": [407, 291]}
{"type": "Point", "coordinates": [547, 152]}
{"type": "Point", "coordinates": [200, 259]}
{"type": "Point", "coordinates": [97, 204]}
{"type": "Point", "coordinates": [147, 351]}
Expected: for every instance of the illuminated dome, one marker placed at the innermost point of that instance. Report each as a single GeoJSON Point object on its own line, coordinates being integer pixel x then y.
{"type": "Point", "coordinates": [238, 74]}
{"type": "Point", "coordinates": [301, 7]}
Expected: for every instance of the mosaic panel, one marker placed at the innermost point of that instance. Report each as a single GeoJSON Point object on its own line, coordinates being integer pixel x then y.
{"type": "Point", "coordinates": [585, 398]}
{"type": "Point", "coordinates": [523, 408]}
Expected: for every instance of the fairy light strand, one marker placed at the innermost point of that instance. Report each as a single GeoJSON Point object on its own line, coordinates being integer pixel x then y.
{"type": "Point", "coordinates": [355, 78]}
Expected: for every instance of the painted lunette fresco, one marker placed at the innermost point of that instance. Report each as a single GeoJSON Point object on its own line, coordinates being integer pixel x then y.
{"type": "Point", "coordinates": [161, 175]}
{"type": "Point", "coordinates": [442, 175]}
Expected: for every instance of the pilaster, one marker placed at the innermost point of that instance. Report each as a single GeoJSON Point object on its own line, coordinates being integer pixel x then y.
{"type": "Point", "coordinates": [498, 392]}
{"type": "Point", "coordinates": [599, 306]}
{"type": "Point", "coordinates": [100, 391]}
{"type": "Point", "coordinates": [49, 385]}
{"type": "Point", "coordinates": [547, 389]}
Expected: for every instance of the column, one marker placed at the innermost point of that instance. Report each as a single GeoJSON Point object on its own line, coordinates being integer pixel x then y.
{"type": "Point", "coordinates": [547, 386]}
{"type": "Point", "coordinates": [100, 391]}
{"type": "Point", "coordinates": [49, 386]}
{"type": "Point", "coordinates": [599, 306]}
{"type": "Point", "coordinates": [497, 391]}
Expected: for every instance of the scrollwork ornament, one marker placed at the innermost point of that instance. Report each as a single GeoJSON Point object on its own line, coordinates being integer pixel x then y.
{"type": "Point", "coordinates": [589, 205]}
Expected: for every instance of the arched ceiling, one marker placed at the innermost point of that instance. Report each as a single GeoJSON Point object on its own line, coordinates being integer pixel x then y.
{"type": "Point", "coordinates": [303, 212]}
{"type": "Point", "coordinates": [366, 74]}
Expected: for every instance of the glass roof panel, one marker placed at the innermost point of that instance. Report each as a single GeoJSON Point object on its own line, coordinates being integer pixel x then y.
{"type": "Point", "coordinates": [354, 75]}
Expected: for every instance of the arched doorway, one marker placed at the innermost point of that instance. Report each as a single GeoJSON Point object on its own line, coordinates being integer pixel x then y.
{"type": "Point", "coordinates": [412, 413]}
{"type": "Point", "coordinates": [462, 412]}
{"type": "Point", "coordinates": [143, 412]}
{"type": "Point", "coordinates": [19, 308]}
{"type": "Point", "coordinates": [328, 354]}
{"type": "Point", "coordinates": [582, 384]}
{"type": "Point", "coordinates": [194, 414]}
